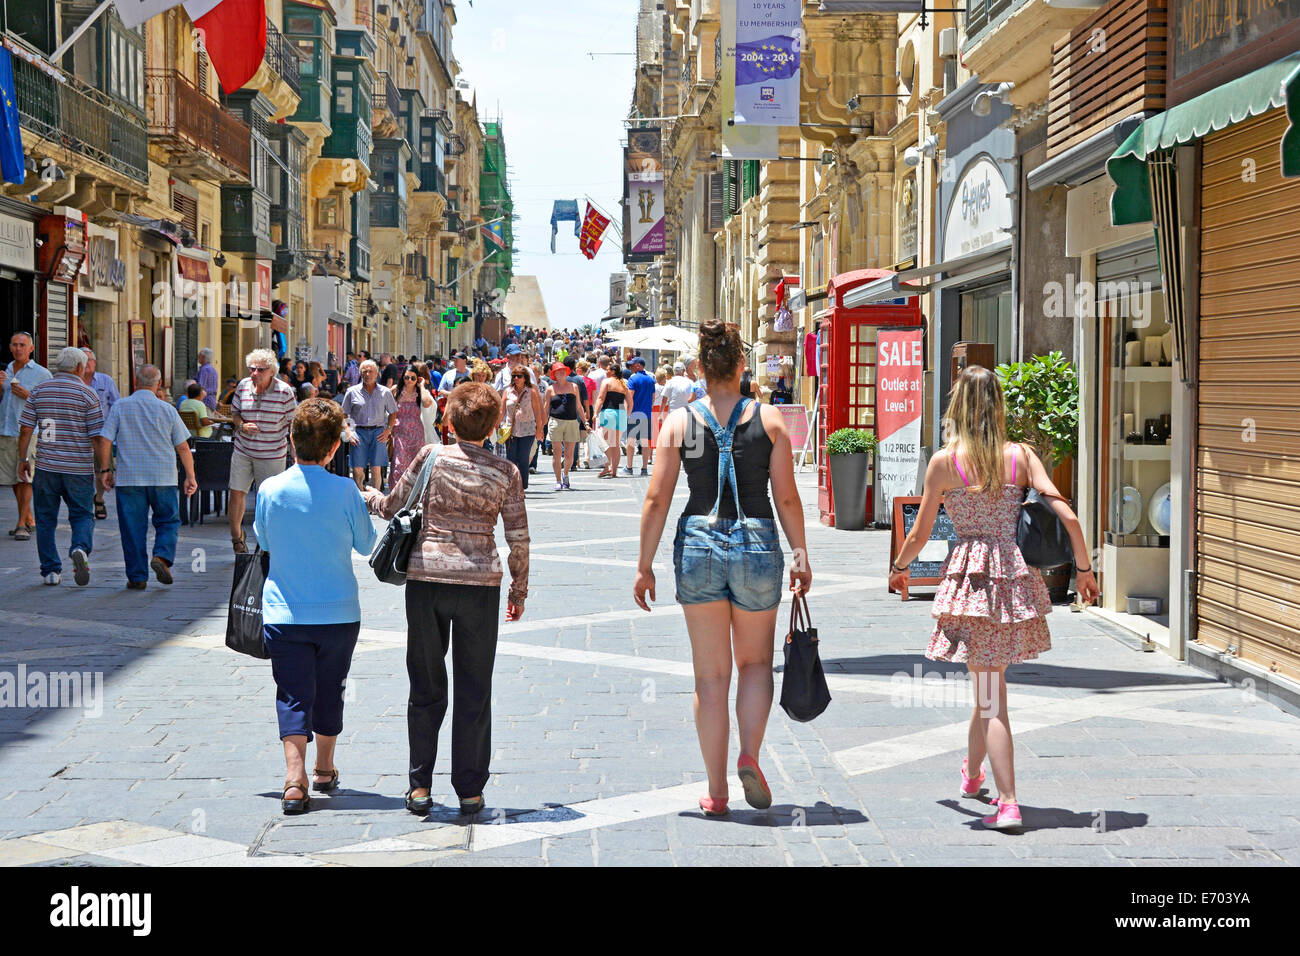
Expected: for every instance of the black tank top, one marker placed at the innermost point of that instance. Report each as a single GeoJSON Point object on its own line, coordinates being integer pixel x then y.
{"type": "Point", "coordinates": [752, 450]}
{"type": "Point", "coordinates": [614, 399]}
{"type": "Point", "coordinates": [564, 407]}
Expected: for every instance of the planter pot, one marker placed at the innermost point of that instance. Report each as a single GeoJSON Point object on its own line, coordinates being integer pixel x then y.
{"type": "Point", "coordinates": [849, 486]}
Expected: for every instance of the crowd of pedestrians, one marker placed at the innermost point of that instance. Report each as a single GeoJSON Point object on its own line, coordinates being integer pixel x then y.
{"type": "Point", "coordinates": [464, 439]}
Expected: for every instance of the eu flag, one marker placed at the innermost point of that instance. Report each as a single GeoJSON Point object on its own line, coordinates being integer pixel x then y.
{"type": "Point", "coordinates": [13, 165]}
{"type": "Point", "coordinates": [773, 58]}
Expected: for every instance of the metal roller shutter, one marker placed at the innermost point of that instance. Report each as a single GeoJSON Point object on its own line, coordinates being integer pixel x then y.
{"type": "Point", "coordinates": [1248, 416]}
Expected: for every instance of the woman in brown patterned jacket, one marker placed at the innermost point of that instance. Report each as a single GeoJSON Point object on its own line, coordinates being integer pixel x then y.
{"type": "Point", "coordinates": [453, 592]}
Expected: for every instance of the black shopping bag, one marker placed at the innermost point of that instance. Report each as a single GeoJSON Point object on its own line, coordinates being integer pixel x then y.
{"type": "Point", "coordinates": [244, 622]}
{"type": "Point", "coordinates": [804, 694]}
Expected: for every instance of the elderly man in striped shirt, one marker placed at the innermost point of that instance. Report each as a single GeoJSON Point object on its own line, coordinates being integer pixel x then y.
{"type": "Point", "coordinates": [260, 411]}
{"type": "Point", "coordinates": [69, 416]}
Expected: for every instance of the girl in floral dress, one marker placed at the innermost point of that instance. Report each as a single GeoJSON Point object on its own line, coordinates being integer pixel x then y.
{"type": "Point", "coordinates": [408, 437]}
{"type": "Point", "coordinates": [990, 607]}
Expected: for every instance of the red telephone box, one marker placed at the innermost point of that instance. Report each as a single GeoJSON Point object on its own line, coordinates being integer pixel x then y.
{"type": "Point", "coordinates": [847, 363]}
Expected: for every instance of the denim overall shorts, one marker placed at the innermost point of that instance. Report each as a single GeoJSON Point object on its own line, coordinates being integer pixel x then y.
{"type": "Point", "coordinates": [728, 559]}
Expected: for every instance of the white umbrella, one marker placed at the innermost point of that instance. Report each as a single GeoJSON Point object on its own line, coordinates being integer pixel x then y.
{"type": "Point", "coordinates": [668, 338]}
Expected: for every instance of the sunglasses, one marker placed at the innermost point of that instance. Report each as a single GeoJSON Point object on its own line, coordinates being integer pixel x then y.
{"type": "Point", "coordinates": [258, 368]}
{"type": "Point", "coordinates": [519, 375]}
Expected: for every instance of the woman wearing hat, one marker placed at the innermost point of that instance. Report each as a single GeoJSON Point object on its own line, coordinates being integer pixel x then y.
{"type": "Point", "coordinates": [565, 406]}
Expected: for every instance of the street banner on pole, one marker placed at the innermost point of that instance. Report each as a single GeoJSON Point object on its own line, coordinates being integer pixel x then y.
{"type": "Point", "coordinates": [769, 40]}
{"type": "Point", "coordinates": [644, 180]}
{"type": "Point", "coordinates": [593, 227]}
{"type": "Point", "coordinates": [739, 141]}
{"type": "Point", "coordinates": [899, 392]}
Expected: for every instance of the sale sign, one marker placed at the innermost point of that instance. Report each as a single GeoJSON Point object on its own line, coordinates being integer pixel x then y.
{"type": "Point", "coordinates": [900, 378]}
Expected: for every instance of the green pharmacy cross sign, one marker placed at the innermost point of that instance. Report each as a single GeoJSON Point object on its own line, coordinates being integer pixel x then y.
{"type": "Point", "coordinates": [453, 317]}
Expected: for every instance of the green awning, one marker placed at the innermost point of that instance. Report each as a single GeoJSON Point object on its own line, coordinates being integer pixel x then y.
{"type": "Point", "coordinates": [1269, 87]}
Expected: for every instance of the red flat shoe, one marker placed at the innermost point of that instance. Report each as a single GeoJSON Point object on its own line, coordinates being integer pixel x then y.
{"type": "Point", "coordinates": [757, 793]}
{"type": "Point", "coordinates": [713, 806]}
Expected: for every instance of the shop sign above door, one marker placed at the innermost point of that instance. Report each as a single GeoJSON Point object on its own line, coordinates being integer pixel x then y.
{"type": "Point", "coordinates": [979, 214]}
{"type": "Point", "coordinates": [1208, 30]}
{"type": "Point", "coordinates": [17, 244]}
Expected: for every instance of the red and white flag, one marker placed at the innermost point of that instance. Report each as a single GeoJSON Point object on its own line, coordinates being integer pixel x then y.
{"type": "Point", "coordinates": [233, 32]}
{"type": "Point", "coordinates": [234, 35]}
{"type": "Point", "coordinates": [594, 225]}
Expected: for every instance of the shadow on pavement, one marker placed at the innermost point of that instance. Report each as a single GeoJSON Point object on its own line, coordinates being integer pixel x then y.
{"type": "Point", "coordinates": [1030, 673]}
{"type": "Point", "coordinates": [1056, 818]}
{"type": "Point", "coordinates": [820, 814]}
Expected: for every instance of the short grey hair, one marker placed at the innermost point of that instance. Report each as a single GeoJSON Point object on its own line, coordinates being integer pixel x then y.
{"type": "Point", "coordinates": [205, 354]}
{"type": "Point", "coordinates": [26, 335]}
{"type": "Point", "coordinates": [70, 359]}
{"type": "Point", "coordinates": [371, 362]}
{"type": "Point", "coordinates": [265, 356]}
{"type": "Point", "coordinates": [147, 376]}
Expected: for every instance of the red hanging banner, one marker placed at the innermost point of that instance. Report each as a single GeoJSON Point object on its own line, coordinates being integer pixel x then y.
{"type": "Point", "coordinates": [593, 227]}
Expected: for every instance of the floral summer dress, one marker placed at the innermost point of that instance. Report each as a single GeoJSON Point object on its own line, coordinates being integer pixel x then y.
{"type": "Point", "coordinates": [408, 437]}
{"type": "Point", "coordinates": [990, 606]}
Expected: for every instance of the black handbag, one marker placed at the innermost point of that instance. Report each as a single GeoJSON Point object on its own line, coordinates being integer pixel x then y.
{"type": "Point", "coordinates": [393, 552]}
{"type": "Point", "coordinates": [1040, 535]}
{"type": "Point", "coordinates": [804, 694]}
{"type": "Point", "coordinates": [244, 620]}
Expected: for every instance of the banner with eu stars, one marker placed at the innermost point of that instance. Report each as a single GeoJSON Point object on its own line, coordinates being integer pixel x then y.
{"type": "Point", "coordinates": [12, 162]}
{"type": "Point", "coordinates": [769, 41]}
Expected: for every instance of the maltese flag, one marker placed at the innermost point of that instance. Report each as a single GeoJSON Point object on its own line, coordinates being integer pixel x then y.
{"type": "Point", "coordinates": [233, 32]}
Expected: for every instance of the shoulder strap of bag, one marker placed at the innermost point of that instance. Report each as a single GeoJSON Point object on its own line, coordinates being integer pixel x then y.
{"type": "Point", "coordinates": [422, 482]}
{"type": "Point", "coordinates": [1029, 488]}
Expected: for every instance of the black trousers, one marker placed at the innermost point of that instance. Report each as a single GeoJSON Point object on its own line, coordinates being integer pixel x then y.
{"type": "Point", "coordinates": [467, 619]}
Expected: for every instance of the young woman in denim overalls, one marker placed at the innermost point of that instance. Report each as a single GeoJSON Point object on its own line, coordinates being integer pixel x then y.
{"type": "Point", "coordinates": [727, 554]}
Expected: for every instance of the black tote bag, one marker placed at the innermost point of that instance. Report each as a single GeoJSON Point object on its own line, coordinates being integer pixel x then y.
{"type": "Point", "coordinates": [244, 621]}
{"type": "Point", "coordinates": [393, 552]}
{"type": "Point", "coordinates": [1040, 535]}
{"type": "Point", "coordinates": [804, 694]}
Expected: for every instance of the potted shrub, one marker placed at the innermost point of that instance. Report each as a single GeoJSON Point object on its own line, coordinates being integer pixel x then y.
{"type": "Point", "coordinates": [1042, 397]}
{"type": "Point", "coordinates": [849, 452]}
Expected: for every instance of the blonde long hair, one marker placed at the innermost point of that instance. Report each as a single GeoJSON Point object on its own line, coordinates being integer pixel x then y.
{"type": "Point", "coordinates": [976, 423]}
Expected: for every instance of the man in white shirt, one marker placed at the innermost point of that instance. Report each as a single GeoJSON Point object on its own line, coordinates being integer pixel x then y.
{"type": "Point", "coordinates": [514, 360]}
{"type": "Point", "coordinates": [678, 390]}
{"type": "Point", "coordinates": [598, 373]}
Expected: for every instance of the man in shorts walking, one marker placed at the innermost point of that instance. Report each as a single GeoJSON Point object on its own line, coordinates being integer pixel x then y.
{"type": "Point", "coordinates": [260, 412]}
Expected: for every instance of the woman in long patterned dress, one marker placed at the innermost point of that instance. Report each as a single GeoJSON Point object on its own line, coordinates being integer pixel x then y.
{"type": "Point", "coordinates": [990, 606]}
{"type": "Point", "coordinates": [408, 437]}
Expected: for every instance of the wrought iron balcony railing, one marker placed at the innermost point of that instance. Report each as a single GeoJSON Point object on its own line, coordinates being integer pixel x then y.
{"type": "Point", "coordinates": [185, 119]}
{"type": "Point", "coordinates": [386, 96]}
{"type": "Point", "coordinates": [82, 119]}
{"type": "Point", "coordinates": [282, 56]}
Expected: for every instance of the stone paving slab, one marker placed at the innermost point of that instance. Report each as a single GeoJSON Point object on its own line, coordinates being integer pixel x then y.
{"type": "Point", "coordinates": [1124, 758]}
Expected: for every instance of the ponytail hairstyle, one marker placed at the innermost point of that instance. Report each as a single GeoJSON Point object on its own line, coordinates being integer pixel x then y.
{"type": "Point", "coordinates": [976, 423]}
{"type": "Point", "coordinates": [721, 351]}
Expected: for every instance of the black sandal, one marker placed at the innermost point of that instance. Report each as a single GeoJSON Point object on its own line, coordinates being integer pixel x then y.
{"type": "Point", "coordinates": [101, 512]}
{"type": "Point", "coordinates": [471, 806]}
{"type": "Point", "coordinates": [329, 786]}
{"type": "Point", "coordinates": [294, 807]}
{"type": "Point", "coordinates": [421, 806]}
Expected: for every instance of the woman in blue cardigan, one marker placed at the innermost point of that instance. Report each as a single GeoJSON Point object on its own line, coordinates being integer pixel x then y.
{"type": "Point", "coordinates": [311, 612]}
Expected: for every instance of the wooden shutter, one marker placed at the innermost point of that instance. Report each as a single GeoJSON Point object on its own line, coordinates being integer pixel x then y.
{"type": "Point", "coordinates": [750, 185]}
{"type": "Point", "coordinates": [715, 182]}
{"type": "Point", "coordinates": [1248, 415]}
{"type": "Point", "coordinates": [731, 187]}
{"type": "Point", "coordinates": [201, 71]}
{"type": "Point", "coordinates": [56, 321]}
{"type": "Point", "coordinates": [188, 207]}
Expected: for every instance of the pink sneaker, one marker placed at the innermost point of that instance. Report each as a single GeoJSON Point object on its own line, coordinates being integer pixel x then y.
{"type": "Point", "coordinates": [970, 788]}
{"type": "Point", "coordinates": [1007, 818]}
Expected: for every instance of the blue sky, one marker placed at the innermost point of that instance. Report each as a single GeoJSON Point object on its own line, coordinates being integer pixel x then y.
{"type": "Point", "coordinates": [562, 113]}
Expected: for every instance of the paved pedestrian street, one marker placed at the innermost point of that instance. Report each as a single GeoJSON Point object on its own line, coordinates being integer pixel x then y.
{"type": "Point", "coordinates": [170, 757]}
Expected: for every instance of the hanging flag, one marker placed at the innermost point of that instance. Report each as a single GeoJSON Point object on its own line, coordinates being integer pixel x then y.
{"type": "Point", "coordinates": [234, 36]}
{"type": "Point", "coordinates": [593, 227]}
{"type": "Point", "coordinates": [135, 12]}
{"type": "Point", "coordinates": [493, 234]}
{"type": "Point", "coordinates": [769, 42]}
{"type": "Point", "coordinates": [13, 164]}
{"type": "Point", "coordinates": [564, 210]}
